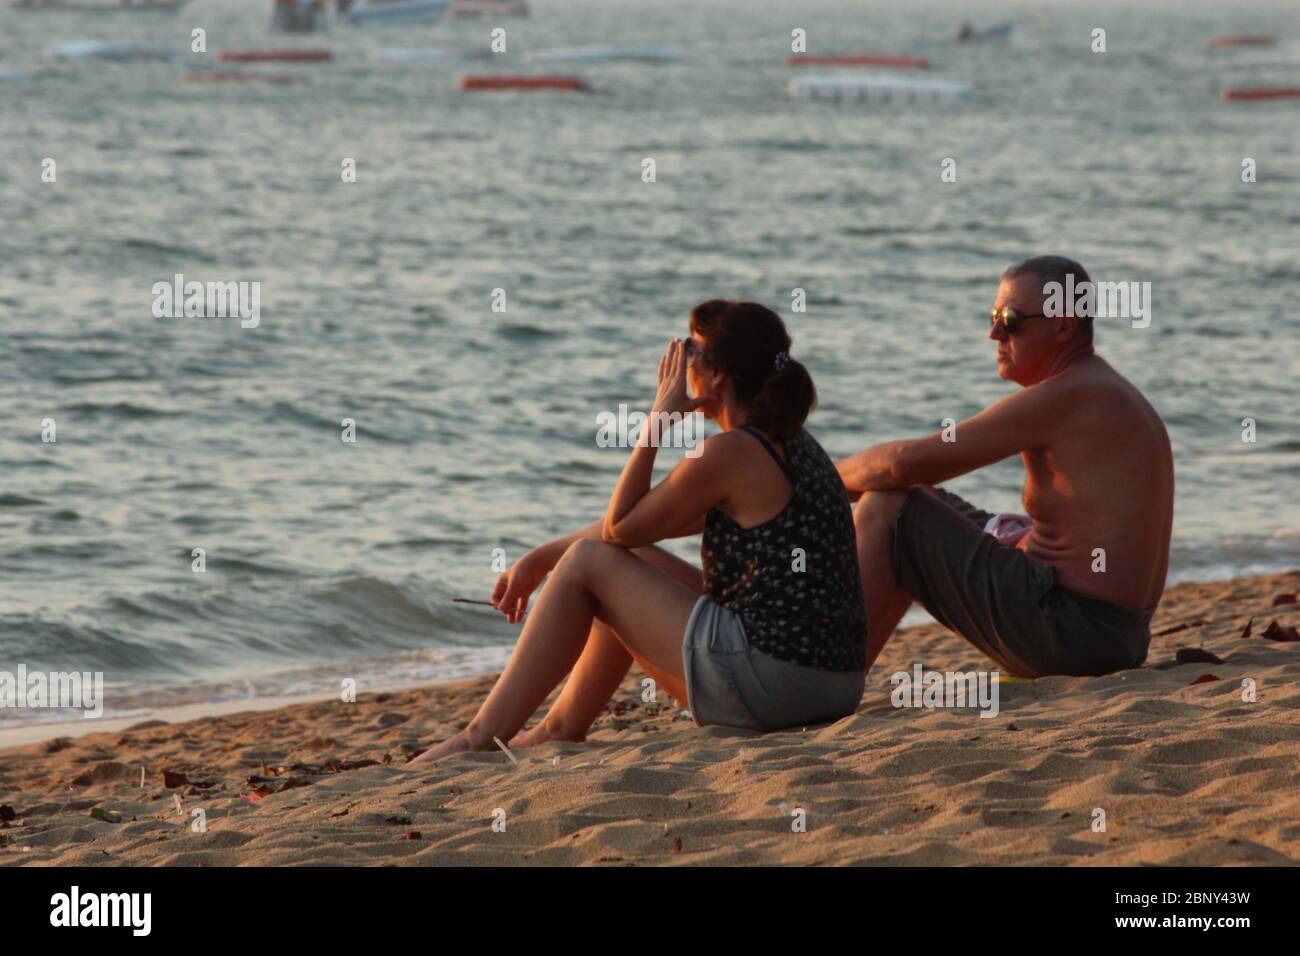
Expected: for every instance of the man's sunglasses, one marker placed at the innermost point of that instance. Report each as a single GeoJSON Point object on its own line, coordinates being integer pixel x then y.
{"type": "Point", "coordinates": [1010, 319]}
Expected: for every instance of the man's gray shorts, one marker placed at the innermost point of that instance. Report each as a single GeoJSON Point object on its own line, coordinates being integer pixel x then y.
{"type": "Point", "coordinates": [1003, 603]}
{"type": "Point", "coordinates": [729, 682]}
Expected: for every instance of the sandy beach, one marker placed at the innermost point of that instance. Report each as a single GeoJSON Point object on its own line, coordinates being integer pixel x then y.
{"type": "Point", "coordinates": [1184, 768]}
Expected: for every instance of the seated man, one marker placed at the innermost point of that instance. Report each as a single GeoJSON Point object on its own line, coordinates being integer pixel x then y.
{"type": "Point", "coordinates": [1072, 589]}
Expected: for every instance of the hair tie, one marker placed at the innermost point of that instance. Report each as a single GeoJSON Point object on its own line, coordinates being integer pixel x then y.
{"type": "Point", "coordinates": [781, 359]}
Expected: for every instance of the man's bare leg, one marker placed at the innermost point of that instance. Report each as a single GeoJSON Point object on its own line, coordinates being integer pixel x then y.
{"type": "Point", "coordinates": [873, 519]}
{"type": "Point", "coordinates": [603, 665]}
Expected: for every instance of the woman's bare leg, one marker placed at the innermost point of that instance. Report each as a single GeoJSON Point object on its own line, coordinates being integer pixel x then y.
{"type": "Point", "coordinates": [645, 607]}
{"type": "Point", "coordinates": [603, 665]}
{"type": "Point", "coordinates": [873, 520]}
{"type": "Point", "coordinates": [592, 682]}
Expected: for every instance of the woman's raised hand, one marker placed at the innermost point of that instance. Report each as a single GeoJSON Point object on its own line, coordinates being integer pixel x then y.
{"type": "Point", "coordinates": [672, 396]}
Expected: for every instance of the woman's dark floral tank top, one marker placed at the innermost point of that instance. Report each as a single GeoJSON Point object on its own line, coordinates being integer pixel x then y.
{"type": "Point", "coordinates": [793, 581]}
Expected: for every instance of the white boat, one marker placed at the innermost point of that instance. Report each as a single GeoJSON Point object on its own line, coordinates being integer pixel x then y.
{"type": "Point", "coordinates": [391, 11]}
{"type": "Point", "coordinates": [488, 8]}
{"type": "Point", "coordinates": [413, 56]}
{"type": "Point", "coordinates": [115, 52]}
{"type": "Point", "coordinates": [610, 54]}
{"type": "Point", "coordinates": [101, 6]}
{"type": "Point", "coordinates": [883, 88]}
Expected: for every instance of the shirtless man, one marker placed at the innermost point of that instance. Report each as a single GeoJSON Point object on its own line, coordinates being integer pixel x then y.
{"type": "Point", "coordinates": [1071, 590]}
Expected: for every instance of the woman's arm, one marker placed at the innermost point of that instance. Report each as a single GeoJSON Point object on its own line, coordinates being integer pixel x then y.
{"type": "Point", "coordinates": [550, 553]}
{"type": "Point", "coordinates": [636, 515]}
{"type": "Point", "coordinates": [639, 515]}
{"type": "Point", "coordinates": [676, 506]}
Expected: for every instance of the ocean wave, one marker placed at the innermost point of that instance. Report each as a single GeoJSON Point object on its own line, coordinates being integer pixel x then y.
{"type": "Point", "coordinates": [127, 410]}
{"type": "Point", "coordinates": [523, 332]}
{"type": "Point", "coordinates": [9, 499]}
{"type": "Point", "coordinates": [251, 626]}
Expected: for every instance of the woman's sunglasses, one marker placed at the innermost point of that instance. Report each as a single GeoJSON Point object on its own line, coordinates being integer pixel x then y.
{"type": "Point", "coordinates": [1010, 319]}
{"type": "Point", "coordinates": [692, 349]}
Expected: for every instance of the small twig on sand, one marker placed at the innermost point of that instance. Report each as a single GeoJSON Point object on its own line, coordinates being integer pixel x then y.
{"type": "Point", "coordinates": [1187, 625]}
{"type": "Point", "coordinates": [505, 750]}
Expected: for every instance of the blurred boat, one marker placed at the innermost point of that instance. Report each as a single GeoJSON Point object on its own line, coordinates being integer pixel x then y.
{"type": "Point", "coordinates": [391, 11]}
{"type": "Point", "coordinates": [299, 16]}
{"type": "Point", "coordinates": [413, 56]}
{"type": "Point", "coordinates": [1260, 93]}
{"type": "Point", "coordinates": [883, 88]}
{"type": "Point", "coordinates": [101, 6]}
{"type": "Point", "coordinates": [968, 34]}
{"type": "Point", "coordinates": [1281, 60]}
{"type": "Point", "coordinates": [500, 82]}
{"type": "Point", "coordinates": [858, 59]}
{"type": "Point", "coordinates": [488, 8]}
{"type": "Point", "coordinates": [238, 76]}
{"type": "Point", "coordinates": [1242, 39]}
{"type": "Point", "coordinates": [609, 54]}
{"type": "Point", "coordinates": [294, 55]}
{"type": "Point", "coordinates": [115, 52]}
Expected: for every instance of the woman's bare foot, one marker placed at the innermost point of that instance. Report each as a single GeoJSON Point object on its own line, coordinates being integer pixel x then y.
{"type": "Point", "coordinates": [458, 743]}
{"type": "Point", "coordinates": [541, 734]}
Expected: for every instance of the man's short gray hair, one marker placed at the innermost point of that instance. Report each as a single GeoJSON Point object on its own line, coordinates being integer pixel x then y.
{"type": "Point", "coordinates": [1055, 269]}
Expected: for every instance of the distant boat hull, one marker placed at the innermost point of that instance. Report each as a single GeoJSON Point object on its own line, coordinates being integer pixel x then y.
{"type": "Point", "coordinates": [275, 56]}
{"type": "Point", "coordinates": [1260, 93]}
{"type": "Point", "coordinates": [534, 82]}
{"type": "Point", "coordinates": [487, 8]}
{"type": "Point", "coordinates": [1242, 39]}
{"type": "Point", "coordinates": [402, 11]}
{"type": "Point", "coordinates": [294, 18]}
{"type": "Point", "coordinates": [610, 55]}
{"type": "Point", "coordinates": [999, 32]}
{"type": "Point", "coordinates": [114, 52]}
{"type": "Point", "coordinates": [879, 88]}
{"type": "Point", "coordinates": [108, 6]}
{"type": "Point", "coordinates": [238, 76]}
{"type": "Point", "coordinates": [859, 59]}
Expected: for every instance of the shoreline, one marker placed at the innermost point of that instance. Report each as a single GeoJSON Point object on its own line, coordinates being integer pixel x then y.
{"type": "Point", "coordinates": [13, 735]}
{"type": "Point", "coordinates": [1180, 766]}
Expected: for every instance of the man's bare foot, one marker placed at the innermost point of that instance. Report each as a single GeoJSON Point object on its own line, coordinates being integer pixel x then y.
{"type": "Point", "coordinates": [541, 734]}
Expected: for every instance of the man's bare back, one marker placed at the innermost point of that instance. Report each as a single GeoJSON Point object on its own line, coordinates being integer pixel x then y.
{"type": "Point", "coordinates": [1105, 480]}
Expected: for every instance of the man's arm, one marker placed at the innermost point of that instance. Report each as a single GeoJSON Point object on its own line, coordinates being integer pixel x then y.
{"type": "Point", "coordinates": [1023, 420]}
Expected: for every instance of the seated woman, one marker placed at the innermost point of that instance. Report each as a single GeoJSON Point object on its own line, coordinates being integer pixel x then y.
{"type": "Point", "coordinates": [770, 635]}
